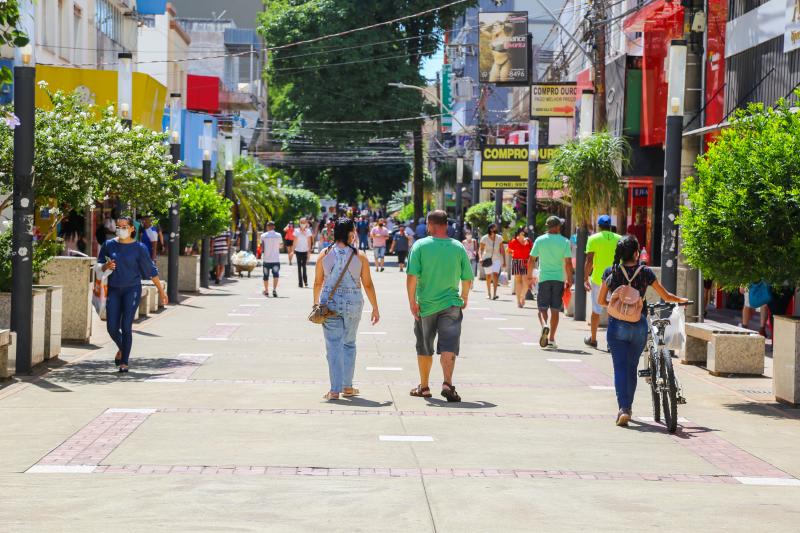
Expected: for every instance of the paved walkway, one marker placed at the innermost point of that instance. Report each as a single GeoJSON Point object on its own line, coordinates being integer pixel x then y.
{"type": "Point", "coordinates": [220, 425]}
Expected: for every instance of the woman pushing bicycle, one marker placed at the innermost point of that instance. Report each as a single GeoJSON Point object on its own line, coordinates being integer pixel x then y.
{"type": "Point", "coordinates": [627, 323]}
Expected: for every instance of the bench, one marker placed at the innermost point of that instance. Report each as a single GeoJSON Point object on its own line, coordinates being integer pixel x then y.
{"type": "Point", "coordinates": [725, 349]}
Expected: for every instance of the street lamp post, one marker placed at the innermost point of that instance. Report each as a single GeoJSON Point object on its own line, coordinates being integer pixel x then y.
{"type": "Point", "coordinates": [206, 144]}
{"type": "Point", "coordinates": [23, 205]}
{"type": "Point", "coordinates": [125, 88]}
{"type": "Point", "coordinates": [533, 177]}
{"type": "Point", "coordinates": [459, 200]}
{"type": "Point", "coordinates": [229, 187]}
{"type": "Point", "coordinates": [476, 182]}
{"type": "Point", "coordinates": [672, 164]}
{"type": "Point", "coordinates": [174, 210]}
{"type": "Point", "coordinates": [585, 130]}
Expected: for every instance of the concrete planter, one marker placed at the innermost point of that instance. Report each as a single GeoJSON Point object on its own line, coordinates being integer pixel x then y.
{"type": "Point", "coordinates": [74, 275]}
{"type": "Point", "coordinates": [188, 272]}
{"type": "Point", "coordinates": [37, 326]}
{"type": "Point", "coordinates": [6, 339]}
{"type": "Point", "coordinates": [786, 360]}
{"type": "Point", "coordinates": [53, 320]}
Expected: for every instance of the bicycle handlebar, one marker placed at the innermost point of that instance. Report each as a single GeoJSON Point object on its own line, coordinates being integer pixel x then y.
{"type": "Point", "coordinates": [668, 305]}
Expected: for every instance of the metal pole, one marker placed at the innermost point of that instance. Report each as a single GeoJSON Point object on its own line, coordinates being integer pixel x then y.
{"type": "Point", "coordinates": [580, 260]}
{"type": "Point", "coordinates": [459, 200]}
{"type": "Point", "coordinates": [22, 230]}
{"type": "Point", "coordinates": [174, 248]}
{"type": "Point", "coordinates": [672, 164]}
{"type": "Point", "coordinates": [498, 209]}
{"type": "Point", "coordinates": [533, 177]}
{"type": "Point", "coordinates": [206, 247]}
{"type": "Point", "coordinates": [229, 196]}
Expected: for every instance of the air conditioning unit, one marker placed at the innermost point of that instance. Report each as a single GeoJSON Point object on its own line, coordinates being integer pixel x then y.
{"type": "Point", "coordinates": [463, 89]}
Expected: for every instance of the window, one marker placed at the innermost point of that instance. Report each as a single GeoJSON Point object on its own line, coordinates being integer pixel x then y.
{"type": "Point", "coordinates": [77, 37]}
{"type": "Point", "coordinates": [63, 31]}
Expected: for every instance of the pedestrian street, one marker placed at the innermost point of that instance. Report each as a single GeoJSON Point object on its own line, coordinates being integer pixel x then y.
{"type": "Point", "coordinates": [220, 425]}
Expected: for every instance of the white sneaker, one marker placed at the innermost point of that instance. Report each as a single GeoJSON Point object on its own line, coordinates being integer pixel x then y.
{"type": "Point", "coordinates": [552, 345]}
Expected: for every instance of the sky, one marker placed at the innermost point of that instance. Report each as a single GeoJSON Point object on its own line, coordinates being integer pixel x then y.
{"type": "Point", "coordinates": [432, 65]}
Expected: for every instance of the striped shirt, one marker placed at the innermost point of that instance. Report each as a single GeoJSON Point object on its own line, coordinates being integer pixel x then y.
{"type": "Point", "coordinates": [221, 242]}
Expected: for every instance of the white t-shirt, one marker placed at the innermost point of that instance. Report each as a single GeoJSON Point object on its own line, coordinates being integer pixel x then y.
{"type": "Point", "coordinates": [301, 239]}
{"type": "Point", "coordinates": [492, 249]}
{"type": "Point", "coordinates": [271, 247]}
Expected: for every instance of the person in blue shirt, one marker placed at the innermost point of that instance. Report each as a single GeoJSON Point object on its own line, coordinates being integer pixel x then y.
{"type": "Point", "coordinates": [129, 263]}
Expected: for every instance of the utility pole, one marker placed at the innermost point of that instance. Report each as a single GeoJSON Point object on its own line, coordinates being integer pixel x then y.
{"type": "Point", "coordinates": [174, 249]}
{"type": "Point", "coordinates": [438, 181]}
{"type": "Point", "coordinates": [459, 200]}
{"type": "Point", "coordinates": [600, 114]}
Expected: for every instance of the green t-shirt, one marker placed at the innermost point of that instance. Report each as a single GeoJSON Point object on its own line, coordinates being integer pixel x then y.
{"type": "Point", "coordinates": [440, 266]}
{"type": "Point", "coordinates": [604, 245]}
{"type": "Point", "coordinates": [551, 249]}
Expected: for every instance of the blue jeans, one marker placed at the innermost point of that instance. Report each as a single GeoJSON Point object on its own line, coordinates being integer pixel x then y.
{"type": "Point", "coordinates": [626, 340]}
{"type": "Point", "coordinates": [122, 306]}
{"type": "Point", "coordinates": [363, 242]}
{"type": "Point", "coordinates": [340, 341]}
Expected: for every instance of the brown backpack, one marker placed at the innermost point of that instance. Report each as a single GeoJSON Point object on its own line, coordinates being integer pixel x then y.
{"type": "Point", "coordinates": [626, 302]}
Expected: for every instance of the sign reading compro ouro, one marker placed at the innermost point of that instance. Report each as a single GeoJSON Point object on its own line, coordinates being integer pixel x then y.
{"type": "Point", "coordinates": [504, 166]}
{"type": "Point", "coordinates": [553, 99]}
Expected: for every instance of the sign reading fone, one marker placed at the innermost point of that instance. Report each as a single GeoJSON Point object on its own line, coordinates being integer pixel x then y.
{"type": "Point", "coordinates": [504, 166]}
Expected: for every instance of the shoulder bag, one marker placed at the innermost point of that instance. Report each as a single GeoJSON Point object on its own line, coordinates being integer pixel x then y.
{"type": "Point", "coordinates": [321, 312]}
{"type": "Point", "coordinates": [487, 262]}
{"type": "Point", "coordinates": [626, 302]}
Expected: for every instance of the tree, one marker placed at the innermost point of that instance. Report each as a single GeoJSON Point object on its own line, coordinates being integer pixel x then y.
{"type": "Point", "coordinates": [10, 35]}
{"type": "Point", "coordinates": [43, 251]}
{"type": "Point", "coordinates": [204, 212]}
{"type": "Point", "coordinates": [742, 222]}
{"type": "Point", "coordinates": [298, 203]}
{"type": "Point", "coordinates": [255, 191]}
{"type": "Point", "coordinates": [479, 216]}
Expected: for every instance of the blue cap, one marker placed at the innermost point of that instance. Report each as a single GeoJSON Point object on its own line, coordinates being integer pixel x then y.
{"type": "Point", "coordinates": [604, 220]}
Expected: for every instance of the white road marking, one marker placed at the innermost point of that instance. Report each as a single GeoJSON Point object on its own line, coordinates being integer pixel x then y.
{"type": "Point", "coordinates": [239, 314]}
{"type": "Point", "coordinates": [477, 309]}
{"type": "Point", "coordinates": [140, 411]}
{"type": "Point", "coordinates": [565, 360]}
{"type": "Point", "coordinates": [384, 368]}
{"type": "Point", "coordinates": [228, 323]}
{"type": "Point", "coordinates": [212, 338]}
{"type": "Point", "coordinates": [259, 299]}
{"type": "Point", "coordinates": [405, 438]}
{"type": "Point", "coordinates": [167, 380]}
{"type": "Point", "coordinates": [494, 318]}
{"type": "Point", "coordinates": [511, 329]}
{"type": "Point", "coordinates": [251, 305]}
{"type": "Point", "coordinates": [530, 344]}
{"type": "Point", "coordinates": [601, 387]}
{"type": "Point", "coordinates": [769, 481]}
{"type": "Point", "coordinates": [61, 469]}
{"type": "Point", "coordinates": [195, 354]}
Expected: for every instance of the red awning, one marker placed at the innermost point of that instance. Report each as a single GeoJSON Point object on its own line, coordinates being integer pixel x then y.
{"type": "Point", "coordinates": [653, 9]}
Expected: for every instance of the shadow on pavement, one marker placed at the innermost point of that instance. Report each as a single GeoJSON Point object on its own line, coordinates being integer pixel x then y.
{"type": "Point", "coordinates": [104, 372]}
{"type": "Point", "coordinates": [571, 352]}
{"type": "Point", "coordinates": [774, 410]}
{"type": "Point", "coordinates": [363, 402]}
{"type": "Point", "coordinates": [435, 402]}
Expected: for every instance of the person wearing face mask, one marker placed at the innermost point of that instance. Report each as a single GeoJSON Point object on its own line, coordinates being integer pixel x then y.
{"type": "Point", "coordinates": [129, 263]}
{"type": "Point", "coordinates": [493, 257]}
{"type": "Point", "coordinates": [303, 243]}
{"type": "Point", "coordinates": [379, 236]}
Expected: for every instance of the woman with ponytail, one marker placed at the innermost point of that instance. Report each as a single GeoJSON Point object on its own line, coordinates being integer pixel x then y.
{"type": "Point", "coordinates": [627, 340]}
{"type": "Point", "coordinates": [342, 261]}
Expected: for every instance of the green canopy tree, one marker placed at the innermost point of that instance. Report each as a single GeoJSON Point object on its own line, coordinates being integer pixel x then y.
{"type": "Point", "coordinates": [204, 212]}
{"type": "Point", "coordinates": [255, 191]}
{"type": "Point", "coordinates": [742, 222]}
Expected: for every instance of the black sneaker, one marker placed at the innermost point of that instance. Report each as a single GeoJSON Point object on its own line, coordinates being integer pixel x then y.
{"type": "Point", "coordinates": [589, 342]}
{"type": "Point", "coordinates": [274, 294]}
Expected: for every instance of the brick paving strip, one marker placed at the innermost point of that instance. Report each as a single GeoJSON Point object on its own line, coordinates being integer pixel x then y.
{"type": "Point", "coordinates": [181, 370]}
{"type": "Point", "coordinates": [220, 332]}
{"type": "Point", "coordinates": [84, 452]}
{"type": "Point", "coordinates": [288, 381]}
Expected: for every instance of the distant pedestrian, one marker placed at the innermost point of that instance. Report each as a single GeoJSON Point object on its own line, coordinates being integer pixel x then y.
{"type": "Point", "coordinates": [600, 250]}
{"type": "Point", "coordinates": [340, 275]}
{"type": "Point", "coordinates": [288, 240]}
{"type": "Point", "coordinates": [637, 228]}
{"type": "Point", "coordinates": [271, 258]}
{"type": "Point", "coordinates": [362, 228]}
{"type": "Point", "coordinates": [150, 237]}
{"type": "Point", "coordinates": [401, 243]}
{"type": "Point", "coordinates": [552, 252]}
{"type": "Point", "coordinates": [379, 234]}
{"type": "Point", "coordinates": [627, 340]}
{"type": "Point", "coordinates": [130, 263]}
{"type": "Point", "coordinates": [303, 244]}
{"type": "Point", "coordinates": [493, 257]}
{"type": "Point", "coordinates": [520, 247]}
{"type": "Point", "coordinates": [471, 246]}
{"type": "Point", "coordinates": [222, 246]}
{"type": "Point", "coordinates": [437, 268]}
{"type": "Point", "coordinates": [421, 230]}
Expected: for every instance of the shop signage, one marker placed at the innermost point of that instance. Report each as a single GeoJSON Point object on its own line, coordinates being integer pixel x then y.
{"type": "Point", "coordinates": [553, 99]}
{"type": "Point", "coordinates": [503, 48]}
{"type": "Point", "coordinates": [504, 166]}
{"type": "Point", "coordinates": [791, 37]}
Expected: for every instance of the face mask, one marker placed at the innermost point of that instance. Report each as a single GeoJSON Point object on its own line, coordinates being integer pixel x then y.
{"type": "Point", "coordinates": [123, 233]}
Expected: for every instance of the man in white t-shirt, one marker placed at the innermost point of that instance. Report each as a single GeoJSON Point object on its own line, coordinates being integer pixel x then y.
{"type": "Point", "coordinates": [303, 243]}
{"type": "Point", "coordinates": [271, 242]}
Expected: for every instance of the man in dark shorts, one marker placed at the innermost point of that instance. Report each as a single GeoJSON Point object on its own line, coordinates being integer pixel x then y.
{"type": "Point", "coordinates": [400, 246]}
{"type": "Point", "coordinates": [553, 253]}
{"type": "Point", "coordinates": [436, 268]}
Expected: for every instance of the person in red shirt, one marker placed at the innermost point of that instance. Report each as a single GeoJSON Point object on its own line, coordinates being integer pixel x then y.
{"type": "Point", "coordinates": [520, 247]}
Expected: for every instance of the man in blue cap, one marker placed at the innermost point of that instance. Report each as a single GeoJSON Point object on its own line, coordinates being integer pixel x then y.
{"type": "Point", "coordinates": [600, 249]}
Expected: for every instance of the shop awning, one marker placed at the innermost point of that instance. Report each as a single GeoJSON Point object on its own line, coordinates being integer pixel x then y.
{"type": "Point", "coordinates": [653, 9]}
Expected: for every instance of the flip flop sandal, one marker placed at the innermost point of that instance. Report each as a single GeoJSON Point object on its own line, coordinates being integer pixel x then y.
{"type": "Point", "coordinates": [330, 396]}
{"type": "Point", "coordinates": [450, 393]}
{"type": "Point", "coordinates": [348, 392]}
{"type": "Point", "coordinates": [421, 392]}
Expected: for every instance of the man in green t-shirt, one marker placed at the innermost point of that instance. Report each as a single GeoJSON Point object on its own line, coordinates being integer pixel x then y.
{"type": "Point", "coordinates": [554, 255]}
{"type": "Point", "coordinates": [600, 250]}
{"type": "Point", "coordinates": [436, 267]}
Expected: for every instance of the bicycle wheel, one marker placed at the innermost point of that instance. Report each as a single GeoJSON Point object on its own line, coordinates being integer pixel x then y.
{"type": "Point", "coordinates": [669, 393]}
{"type": "Point", "coordinates": [654, 386]}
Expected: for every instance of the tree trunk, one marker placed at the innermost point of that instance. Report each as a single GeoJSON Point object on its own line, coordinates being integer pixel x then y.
{"type": "Point", "coordinates": [418, 174]}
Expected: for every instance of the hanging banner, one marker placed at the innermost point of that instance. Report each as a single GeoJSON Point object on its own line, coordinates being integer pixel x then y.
{"type": "Point", "coordinates": [446, 98]}
{"type": "Point", "coordinates": [504, 166]}
{"type": "Point", "coordinates": [553, 99]}
{"type": "Point", "coordinates": [503, 48]}
{"type": "Point", "coordinates": [791, 38]}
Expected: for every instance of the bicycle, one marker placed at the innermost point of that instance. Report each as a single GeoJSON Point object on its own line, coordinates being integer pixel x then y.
{"type": "Point", "coordinates": [664, 385]}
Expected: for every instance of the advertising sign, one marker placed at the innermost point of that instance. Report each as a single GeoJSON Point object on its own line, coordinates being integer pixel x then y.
{"type": "Point", "coordinates": [446, 98]}
{"type": "Point", "coordinates": [503, 48]}
{"type": "Point", "coordinates": [791, 39]}
{"type": "Point", "coordinates": [553, 99]}
{"type": "Point", "coordinates": [504, 166]}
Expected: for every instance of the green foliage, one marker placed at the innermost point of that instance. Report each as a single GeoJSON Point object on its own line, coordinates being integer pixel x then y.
{"type": "Point", "coordinates": [43, 251]}
{"type": "Point", "coordinates": [9, 34]}
{"type": "Point", "coordinates": [298, 203]}
{"type": "Point", "coordinates": [83, 154]}
{"type": "Point", "coordinates": [256, 191]}
{"type": "Point", "coordinates": [592, 166]}
{"type": "Point", "coordinates": [204, 212]}
{"type": "Point", "coordinates": [742, 223]}
{"type": "Point", "coordinates": [406, 213]}
{"type": "Point", "coordinates": [479, 216]}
